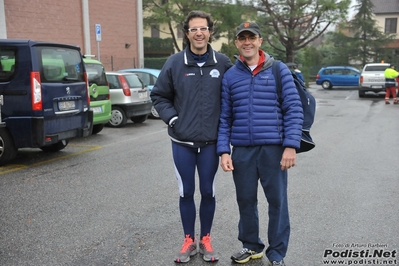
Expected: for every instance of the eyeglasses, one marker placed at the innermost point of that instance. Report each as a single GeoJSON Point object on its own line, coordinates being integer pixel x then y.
{"type": "Point", "coordinates": [201, 29]}
{"type": "Point", "coordinates": [251, 38]}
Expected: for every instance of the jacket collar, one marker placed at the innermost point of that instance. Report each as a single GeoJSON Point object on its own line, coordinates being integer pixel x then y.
{"type": "Point", "coordinates": [265, 61]}
{"type": "Point", "coordinates": [189, 60]}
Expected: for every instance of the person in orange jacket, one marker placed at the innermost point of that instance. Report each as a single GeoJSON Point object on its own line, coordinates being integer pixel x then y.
{"type": "Point", "coordinates": [391, 75]}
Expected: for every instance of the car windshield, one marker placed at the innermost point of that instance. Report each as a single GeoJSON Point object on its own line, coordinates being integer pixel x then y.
{"type": "Point", "coordinates": [376, 68]}
{"type": "Point", "coordinates": [133, 81]}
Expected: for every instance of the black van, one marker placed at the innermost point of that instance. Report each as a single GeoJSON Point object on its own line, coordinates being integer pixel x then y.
{"type": "Point", "coordinates": [44, 96]}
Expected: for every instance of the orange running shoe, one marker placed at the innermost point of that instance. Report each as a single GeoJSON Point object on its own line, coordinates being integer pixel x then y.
{"type": "Point", "coordinates": [206, 249]}
{"type": "Point", "coordinates": [188, 249]}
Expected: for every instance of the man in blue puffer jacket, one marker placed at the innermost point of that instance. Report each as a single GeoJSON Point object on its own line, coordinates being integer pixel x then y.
{"type": "Point", "coordinates": [264, 133]}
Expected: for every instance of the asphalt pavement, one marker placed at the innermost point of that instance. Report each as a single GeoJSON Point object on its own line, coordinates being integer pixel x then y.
{"type": "Point", "coordinates": [112, 199]}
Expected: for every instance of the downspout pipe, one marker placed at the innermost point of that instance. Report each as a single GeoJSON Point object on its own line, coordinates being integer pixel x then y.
{"type": "Point", "coordinates": [3, 28]}
{"type": "Point", "coordinates": [86, 27]}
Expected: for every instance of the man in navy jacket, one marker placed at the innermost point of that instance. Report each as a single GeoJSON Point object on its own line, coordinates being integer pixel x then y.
{"type": "Point", "coordinates": [187, 98]}
{"type": "Point", "coordinates": [264, 133]}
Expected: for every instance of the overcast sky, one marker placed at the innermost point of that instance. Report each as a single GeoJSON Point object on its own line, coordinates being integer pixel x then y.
{"type": "Point", "coordinates": [351, 10]}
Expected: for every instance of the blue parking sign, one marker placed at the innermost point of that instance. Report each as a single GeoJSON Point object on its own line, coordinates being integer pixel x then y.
{"type": "Point", "coordinates": [98, 32]}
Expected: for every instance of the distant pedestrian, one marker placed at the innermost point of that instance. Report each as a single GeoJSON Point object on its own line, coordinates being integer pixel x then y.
{"type": "Point", "coordinates": [390, 83]}
{"type": "Point", "coordinates": [187, 97]}
{"type": "Point", "coordinates": [298, 73]}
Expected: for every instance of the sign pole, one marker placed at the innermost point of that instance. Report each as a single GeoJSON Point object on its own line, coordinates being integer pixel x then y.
{"type": "Point", "coordinates": [98, 51]}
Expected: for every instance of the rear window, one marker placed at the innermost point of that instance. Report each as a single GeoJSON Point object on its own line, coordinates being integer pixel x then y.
{"type": "Point", "coordinates": [96, 74]}
{"type": "Point", "coordinates": [376, 68]}
{"type": "Point", "coordinates": [147, 78]}
{"type": "Point", "coordinates": [60, 64]}
{"type": "Point", "coordinates": [7, 62]}
{"type": "Point", "coordinates": [133, 81]}
{"type": "Point", "coordinates": [113, 82]}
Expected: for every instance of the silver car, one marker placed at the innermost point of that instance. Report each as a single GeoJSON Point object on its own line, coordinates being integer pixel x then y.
{"type": "Point", "coordinates": [149, 76]}
{"type": "Point", "coordinates": [130, 98]}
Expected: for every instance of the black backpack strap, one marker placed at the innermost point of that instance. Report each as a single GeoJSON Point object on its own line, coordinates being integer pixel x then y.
{"type": "Point", "coordinates": [276, 74]}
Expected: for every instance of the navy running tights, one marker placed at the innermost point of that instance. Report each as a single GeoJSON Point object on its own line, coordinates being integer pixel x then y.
{"type": "Point", "coordinates": [206, 161]}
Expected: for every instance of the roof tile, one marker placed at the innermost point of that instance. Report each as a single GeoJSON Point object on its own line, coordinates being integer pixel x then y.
{"type": "Point", "coordinates": [385, 6]}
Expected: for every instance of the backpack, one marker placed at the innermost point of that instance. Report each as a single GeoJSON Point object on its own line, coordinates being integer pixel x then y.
{"type": "Point", "coordinates": [308, 106]}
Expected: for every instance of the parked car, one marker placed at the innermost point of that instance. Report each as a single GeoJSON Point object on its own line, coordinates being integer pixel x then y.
{"type": "Point", "coordinates": [100, 101]}
{"type": "Point", "coordinates": [44, 96]}
{"type": "Point", "coordinates": [372, 78]}
{"type": "Point", "coordinates": [130, 98]}
{"type": "Point", "coordinates": [337, 76]}
{"type": "Point", "coordinates": [149, 76]}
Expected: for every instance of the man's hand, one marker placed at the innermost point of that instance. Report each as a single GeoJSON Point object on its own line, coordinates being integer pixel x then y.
{"type": "Point", "coordinates": [226, 163]}
{"type": "Point", "coordinates": [289, 158]}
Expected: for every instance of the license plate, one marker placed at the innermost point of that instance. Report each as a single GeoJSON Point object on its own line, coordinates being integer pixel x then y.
{"type": "Point", "coordinates": [66, 105]}
{"type": "Point", "coordinates": [97, 110]}
{"type": "Point", "coordinates": [376, 87]}
{"type": "Point", "coordinates": [143, 95]}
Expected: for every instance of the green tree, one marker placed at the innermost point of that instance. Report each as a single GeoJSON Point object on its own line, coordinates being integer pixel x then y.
{"type": "Point", "coordinates": [335, 49]}
{"type": "Point", "coordinates": [227, 17]}
{"type": "Point", "coordinates": [312, 62]}
{"type": "Point", "coordinates": [296, 23]}
{"type": "Point", "coordinates": [368, 41]}
{"type": "Point", "coordinates": [230, 50]}
{"type": "Point", "coordinates": [169, 12]}
{"type": "Point", "coordinates": [276, 50]}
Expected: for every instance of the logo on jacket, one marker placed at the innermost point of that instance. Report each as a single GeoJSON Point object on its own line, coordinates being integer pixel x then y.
{"type": "Point", "coordinates": [189, 74]}
{"type": "Point", "coordinates": [265, 76]}
{"type": "Point", "coordinates": [214, 73]}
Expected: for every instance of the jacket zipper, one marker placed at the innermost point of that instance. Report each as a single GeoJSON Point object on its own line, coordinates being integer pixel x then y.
{"type": "Point", "coordinates": [202, 92]}
{"type": "Point", "coordinates": [251, 107]}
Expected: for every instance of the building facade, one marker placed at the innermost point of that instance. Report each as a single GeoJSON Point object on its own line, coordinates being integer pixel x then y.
{"type": "Point", "coordinates": [386, 14]}
{"type": "Point", "coordinates": [74, 22]}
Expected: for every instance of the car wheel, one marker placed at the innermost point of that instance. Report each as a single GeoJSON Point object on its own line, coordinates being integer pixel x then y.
{"type": "Point", "coordinates": [139, 119]}
{"type": "Point", "coordinates": [361, 94]}
{"type": "Point", "coordinates": [97, 129]}
{"type": "Point", "coordinates": [326, 85]}
{"type": "Point", "coordinates": [8, 151]}
{"type": "Point", "coordinates": [56, 146]}
{"type": "Point", "coordinates": [118, 117]}
{"type": "Point", "coordinates": [154, 113]}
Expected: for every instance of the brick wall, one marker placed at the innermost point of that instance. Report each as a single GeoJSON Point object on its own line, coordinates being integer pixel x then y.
{"type": "Point", "coordinates": [62, 21]}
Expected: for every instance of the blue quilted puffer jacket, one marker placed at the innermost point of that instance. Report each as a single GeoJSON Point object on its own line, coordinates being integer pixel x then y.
{"type": "Point", "coordinates": [251, 112]}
